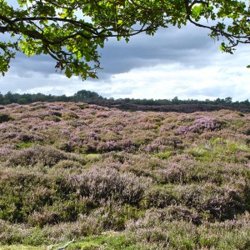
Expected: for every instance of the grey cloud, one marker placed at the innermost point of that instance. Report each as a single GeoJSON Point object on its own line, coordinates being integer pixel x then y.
{"type": "Point", "coordinates": [188, 46]}
{"type": "Point", "coordinates": [36, 64]}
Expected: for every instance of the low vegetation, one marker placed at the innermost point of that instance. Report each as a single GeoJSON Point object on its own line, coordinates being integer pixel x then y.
{"type": "Point", "coordinates": [81, 176]}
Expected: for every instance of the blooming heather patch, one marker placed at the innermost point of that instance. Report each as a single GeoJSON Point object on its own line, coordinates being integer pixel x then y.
{"type": "Point", "coordinates": [201, 124]}
{"type": "Point", "coordinates": [106, 184]}
{"type": "Point", "coordinates": [42, 155]}
{"type": "Point", "coordinates": [125, 180]}
{"type": "Point", "coordinates": [6, 151]}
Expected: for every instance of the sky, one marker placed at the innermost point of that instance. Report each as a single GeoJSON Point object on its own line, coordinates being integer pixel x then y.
{"type": "Point", "coordinates": [174, 62]}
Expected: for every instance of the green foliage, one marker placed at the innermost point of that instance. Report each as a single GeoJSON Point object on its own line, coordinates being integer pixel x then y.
{"type": "Point", "coordinates": [69, 116]}
{"type": "Point", "coordinates": [87, 96]}
{"type": "Point", "coordinates": [5, 118]}
{"type": "Point", "coordinates": [72, 32]}
{"type": "Point", "coordinates": [37, 238]}
{"type": "Point", "coordinates": [107, 241]}
{"type": "Point", "coordinates": [164, 155]}
{"type": "Point", "coordinates": [219, 149]}
{"type": "Point", "coordinates": [22, 145]}
{"type": "Point", "coordinates": [92, 157]}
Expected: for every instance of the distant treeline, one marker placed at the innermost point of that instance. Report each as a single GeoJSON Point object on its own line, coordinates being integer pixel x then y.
{"type": "Point", "coordinates": [174, 104]}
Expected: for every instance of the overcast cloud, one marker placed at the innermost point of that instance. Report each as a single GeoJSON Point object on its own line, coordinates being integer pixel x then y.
{"type": "Point", "coordinates": [175, 62]}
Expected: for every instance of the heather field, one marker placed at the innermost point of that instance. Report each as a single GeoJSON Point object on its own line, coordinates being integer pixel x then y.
{"type": "Point", "coordinates": [80, 176]}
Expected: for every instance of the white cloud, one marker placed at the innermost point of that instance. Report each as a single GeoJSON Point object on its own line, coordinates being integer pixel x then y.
{"type": "Point", "coordinates": [227, 76]}
{"type": "Point", "coordinates": [167, 81]}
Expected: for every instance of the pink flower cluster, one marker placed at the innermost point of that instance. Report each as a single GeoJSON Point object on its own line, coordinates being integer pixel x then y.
{"type": "Point", "coordinates": [201, 124]}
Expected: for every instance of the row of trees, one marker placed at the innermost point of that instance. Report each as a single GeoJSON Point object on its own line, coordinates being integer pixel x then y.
{"type": "Point", "coordinates": [84, 96]}
{"type": "Point", "coordinates": [93, 97]}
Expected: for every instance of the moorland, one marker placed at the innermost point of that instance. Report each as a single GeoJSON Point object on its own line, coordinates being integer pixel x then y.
{"type": "Point", "coordinates": [82, 176]}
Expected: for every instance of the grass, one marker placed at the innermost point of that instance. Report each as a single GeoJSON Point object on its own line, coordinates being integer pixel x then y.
{"type": "Point", "coordinates": [164, 155]}
{"type": "Point", "coordinates": [107, 241]}
{"type": "Point", "coordinates": [218, 149]}
{"type": "Point", "coordinates": [92, 157]}
{"type": "Point", "coordinates": [22, 247]}
{"type": "Point", "coordinates": [22, 145]}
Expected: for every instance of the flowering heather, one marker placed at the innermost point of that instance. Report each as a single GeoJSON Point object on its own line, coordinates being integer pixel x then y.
{"type": "Point", "coordinates": [5, 151]}
{"type": "Point", "coordinates": [105, 184]}
{"type": "Point", "coordinates": [125, 180]}
{"type": "Point", "coordinates": [46, 156]}
{"type": "Point", "coordinates": [201, 124]}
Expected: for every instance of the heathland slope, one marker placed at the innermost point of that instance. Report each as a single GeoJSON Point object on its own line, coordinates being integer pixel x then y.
{"type": "Point", "coordinates": [112, 179]}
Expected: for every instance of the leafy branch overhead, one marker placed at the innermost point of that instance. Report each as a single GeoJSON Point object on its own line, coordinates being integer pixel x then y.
{"type": "Point", "coordinates": [71, 31]}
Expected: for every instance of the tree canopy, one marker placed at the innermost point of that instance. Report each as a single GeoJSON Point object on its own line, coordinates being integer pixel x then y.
{"type": "Point", "coordinates": [72, 31]}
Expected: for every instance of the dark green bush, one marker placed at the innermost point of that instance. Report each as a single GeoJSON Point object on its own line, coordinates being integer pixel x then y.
{"type": "Point", "coordinates": [5, 118]}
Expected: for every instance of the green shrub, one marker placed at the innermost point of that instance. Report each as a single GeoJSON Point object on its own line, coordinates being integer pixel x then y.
{"type": "Point", "coordinates": [164, 155]}
{"type": "Point", "coordinates": [69, 116]}
{"type": "Point", "coordinates": [160, 197]}
{"type": "Point", "coordinates": [5, 118]}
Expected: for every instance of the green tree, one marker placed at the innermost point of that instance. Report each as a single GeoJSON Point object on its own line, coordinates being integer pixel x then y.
{"type": "Point", "coordinates": [85, 95]}
{"type": "Point", "coordinates": [71, 31]}
{"type": "Point", "coordinates": [228, 100]}
{"type": "Point", "coordinates": [1, 98]}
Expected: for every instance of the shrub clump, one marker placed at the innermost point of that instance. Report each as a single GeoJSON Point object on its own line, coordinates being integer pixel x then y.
{"type": "Point", "coordinates": [221, 203]}
{"type": "Point", "coordinates": [160, 197]}
{"type": "Point", "coordinates": [69, 116]}
{"type": "Point", "coordinates": [46, 156]}
{"type": "Point", "coordinates": [5, 151]}
{"type": "Point", "coordinates": [68, 164]}
{"type": "Point", "coordinates": [107, 184]}
{"type": "Point", "coordinates": [5, 118]}
{"type": "Point", "coordinates": [200, 125]}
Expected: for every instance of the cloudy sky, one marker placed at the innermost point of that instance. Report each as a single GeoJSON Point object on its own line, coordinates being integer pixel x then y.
{"type": "Point", "coordinates": [175, 62]}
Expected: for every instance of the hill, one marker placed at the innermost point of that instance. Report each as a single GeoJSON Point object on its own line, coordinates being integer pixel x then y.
{"type": "Point", "coordinates": [113, 179]}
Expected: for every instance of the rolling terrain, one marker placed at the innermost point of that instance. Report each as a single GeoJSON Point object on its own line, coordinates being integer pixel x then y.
{"type": "Point", "coordinates": [82, 176]}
